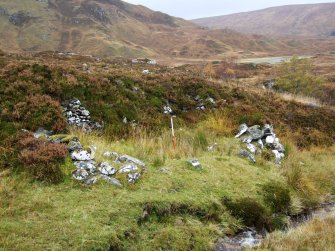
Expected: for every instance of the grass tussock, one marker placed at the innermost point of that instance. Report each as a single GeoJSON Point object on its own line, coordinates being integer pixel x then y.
{"type": "Point", "coordinates": [315, 235]}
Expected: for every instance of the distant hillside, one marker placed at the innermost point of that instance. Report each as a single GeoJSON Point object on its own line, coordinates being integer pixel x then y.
{"type": "Point", "coordinates": [292, 20]}
{"type": "Point", "coordinates": [115, 28]}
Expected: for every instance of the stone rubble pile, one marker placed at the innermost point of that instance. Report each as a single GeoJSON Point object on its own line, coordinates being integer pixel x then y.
{"type": "Point", "coordinates": [257, 138]}
{"type": "Point", "coordinates": [78, 116]}
{"type": "Point", "coordinates": [89, 172]}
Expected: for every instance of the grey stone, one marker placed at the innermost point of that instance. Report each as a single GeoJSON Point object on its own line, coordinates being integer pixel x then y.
{"type": "Point", "coordinates": [86, 165]}
{"type": "Point", "coordinates": [242, 130]}
{"type": "Point", "coordinates": [255, 132]}
{"type": "Point", "coordinates": [270, 140]}
{"type": "Point", "coordinates": [106, 169]}
{"type": "Point", "coordinates": [167, 109]}
{"type": "Point", "coordinates": [247, 139]}
{"type": "Point", "coordinates": [91, 181]}
{"type": "Point", "coordinates": [195, 163]}
{"type": "Point", "coordinates": [211, 100]}
{"type": "Point", "coordinates": [112, 181]}
{"type": "Point", "coordinates": [260, 143]}
{"type": "Point", "coordinates": [251, 148]}
{"type": "Point", "coordinates": [247, 154]}
{"type": "Point", "coordinates": [80, 174]}
{"type": "Point", "coordinates": [268, 130]}
{"type": "Point", "coordinates": [127, 158]}
{"type": "Point", "coordinates": [80, 155]}
{"type": "Point", "coordinates": [128, 168]}
{"type": "Point", "coordinates": [85, 113]}
{"type": "Point", "coordinates": [74, 145]}
{"type": "Point", "coordinates": [133, 177]}
{"type": "Point", "coordinates": [201, 107]}
{"type": "Point", "coordinates": [279, 156]}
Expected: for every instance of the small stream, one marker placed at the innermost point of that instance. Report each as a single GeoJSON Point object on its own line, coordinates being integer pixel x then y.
{"type": "Point", "coordinates": [250, 238]}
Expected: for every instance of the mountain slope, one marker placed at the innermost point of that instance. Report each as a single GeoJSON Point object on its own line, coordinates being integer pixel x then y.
{"type": "Point", "coordinates": [114, 28]}
{"type": "Point", "coordinates": [291, 20]}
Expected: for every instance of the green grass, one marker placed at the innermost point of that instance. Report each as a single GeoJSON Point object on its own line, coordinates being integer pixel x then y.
{"type": "Point", "coordinates": [74, 217]}
{"type": "Point", "coordinates": [179, 210]}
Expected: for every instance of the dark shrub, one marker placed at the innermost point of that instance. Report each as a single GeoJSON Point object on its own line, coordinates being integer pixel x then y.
{"type": "Point", "coordinates": [249, 210]}
{"type": "Point", "coordinates": [41, 159]}
{"type": "Point", "coordinates": [277, 197]}
{"type": "Point", "coordinates": [40, 111]}
{"type": "Point", "coordinates": [42, 70]}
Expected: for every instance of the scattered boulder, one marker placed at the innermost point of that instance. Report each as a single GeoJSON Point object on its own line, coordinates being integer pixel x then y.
{"type": "Point", "coordinates": [167, 109]}
{"type": "Point", "coordinates": [195, 163]}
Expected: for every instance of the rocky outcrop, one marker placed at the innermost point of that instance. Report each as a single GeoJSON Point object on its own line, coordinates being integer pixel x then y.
{"type": "Point", "coordinates": [78, 116]}
{"type": "Point", "coordinates": [257, 138]}
{"type": "Point", "coordinates": [19, 18]}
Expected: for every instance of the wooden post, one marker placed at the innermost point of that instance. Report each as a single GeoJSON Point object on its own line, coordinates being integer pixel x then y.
{"type": "Point", "coordinates": [174, 142]}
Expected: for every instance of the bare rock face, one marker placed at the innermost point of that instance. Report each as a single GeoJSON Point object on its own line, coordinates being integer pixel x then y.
{"type": "Point", "coordinates": [97, 12]}
{"type": "Point", "coordinates": [20, 18]}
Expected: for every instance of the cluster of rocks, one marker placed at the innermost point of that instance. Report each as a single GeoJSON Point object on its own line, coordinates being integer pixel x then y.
{"type": "Point", "coordinates": [200, 106]}
{"type": "Point", "coordinates": [89, 171]}
{"type": "Point", "coordinates": [78, 116]}
{"type": "Point", "coordinates": [257, 138]}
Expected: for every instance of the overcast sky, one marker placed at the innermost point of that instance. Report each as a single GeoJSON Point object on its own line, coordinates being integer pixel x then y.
{"type": "Point", "coordinates": [189, 9]}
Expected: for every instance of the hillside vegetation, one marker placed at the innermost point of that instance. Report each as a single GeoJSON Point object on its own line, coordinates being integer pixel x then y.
{"type": "Point", "coordinates": [173, 206]}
